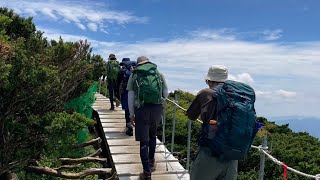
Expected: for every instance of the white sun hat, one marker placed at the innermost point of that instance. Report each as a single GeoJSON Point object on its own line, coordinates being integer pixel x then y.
{"type": "Point", "coordinates": [217, 73]}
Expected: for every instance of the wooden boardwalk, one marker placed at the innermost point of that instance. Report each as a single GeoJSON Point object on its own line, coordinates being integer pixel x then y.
{"type": "Point", "coordinates": [125, 150]}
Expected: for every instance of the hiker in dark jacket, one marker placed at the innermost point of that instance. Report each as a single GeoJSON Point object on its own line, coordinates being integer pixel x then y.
{"type": "Point", "coordinates": [122, 81]}
{"type": "Point", "coordinates": [207, 166]}
{"type": "Point", "coordinates": [112, 74]}
{"type": "Point", "coordinates": [145, 106]}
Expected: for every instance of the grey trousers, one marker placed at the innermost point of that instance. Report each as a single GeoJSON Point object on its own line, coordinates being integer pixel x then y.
{"type": "Point", "coordinates": [206, 167]}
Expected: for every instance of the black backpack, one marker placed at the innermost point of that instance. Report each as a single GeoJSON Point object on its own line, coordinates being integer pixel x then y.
{"type": "Point", "coordinates": [126, 71]}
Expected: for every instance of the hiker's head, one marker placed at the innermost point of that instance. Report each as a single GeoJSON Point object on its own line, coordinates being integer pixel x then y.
{"type": "Point", "coordinates": [142, 60]}
{"type": "Point", "coordinates": [112, 57]}
{"type": "Point", "coordinates": [124, 61]}
{"type": "Point", "coordinates": [216, 74]}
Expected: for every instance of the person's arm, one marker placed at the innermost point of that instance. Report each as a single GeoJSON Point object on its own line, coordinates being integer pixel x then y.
{"type": "Point", "coordinates": [130, 96]}
{"type": "Point", "coordinates": [165, 92]}
{"type": "Point", "coordinates": [194, 110]}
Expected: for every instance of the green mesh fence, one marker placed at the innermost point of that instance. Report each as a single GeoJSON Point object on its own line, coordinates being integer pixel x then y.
{"type": "Point", "coordinates": [83, 105]}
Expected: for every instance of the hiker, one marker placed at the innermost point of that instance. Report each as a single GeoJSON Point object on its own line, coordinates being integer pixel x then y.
{"type": "Point", "coordinates": [147, 91]}
{"type": "Point", "coordinates": [112, 74]}
{"type": "Point", "coordinates": [122, 81]}
{"type": "Point", "coordinates": [217, 158]}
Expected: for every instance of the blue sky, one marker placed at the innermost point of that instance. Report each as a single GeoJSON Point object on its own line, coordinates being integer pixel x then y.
{"type": "Point", "coordinates": [271, 45]}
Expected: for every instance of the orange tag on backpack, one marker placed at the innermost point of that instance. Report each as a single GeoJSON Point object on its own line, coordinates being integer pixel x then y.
{"type": "Point", "coordinates": [213, 122]}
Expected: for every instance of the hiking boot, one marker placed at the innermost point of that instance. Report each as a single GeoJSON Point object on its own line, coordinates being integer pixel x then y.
{"type": "Point", "coordinates": [129, 132]}
{"type": "Point", "coordinates": [153, 165]}
{"type": "Point", "coordinates": [145, 175]}
{"type": "Point", "coordinates": [117, 102]}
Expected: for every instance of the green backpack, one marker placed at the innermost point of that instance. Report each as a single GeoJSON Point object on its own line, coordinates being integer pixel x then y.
{"type": "Point", "coordinates": [147, 84]}
{"type": "Point", "coordinates": [112, 69]}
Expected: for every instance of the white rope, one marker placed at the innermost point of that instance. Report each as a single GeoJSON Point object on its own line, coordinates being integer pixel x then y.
{"type": "Point", "coordinates": [181, 108]}
{"type": "Point", "coordinates": [317, 177]}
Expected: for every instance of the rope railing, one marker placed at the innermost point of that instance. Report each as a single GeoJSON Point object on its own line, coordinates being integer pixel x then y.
{"type": "Point", "coordinates": [260, 148]}
{"type": "Point", "coordinates": [275, 160]}
{"type": "Point", "coordinates": [181, 108]}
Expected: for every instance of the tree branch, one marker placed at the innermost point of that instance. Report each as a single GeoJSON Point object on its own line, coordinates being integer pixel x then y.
{"type": "Point", "coordinates": [88, 143]}
{"type": "Point", "coordinates": [98, 152]}
{"type": "Point", "coordinates": [52, 172]}
{"type": "Point", "coordinates": [83, 159]}
{"type": "Point", "coordinates": [67, 167]}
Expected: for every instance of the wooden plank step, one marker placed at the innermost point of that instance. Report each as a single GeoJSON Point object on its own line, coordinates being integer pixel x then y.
{"type": "Point", "coordinates": [115, 130]}
{"type": "Point", "coordinates": [112, 116]}
{"type": "Point", "coordinates": [114, 125]}
{"type": "Point", "coordinates": [111, 113]}
{"type": "Point", "coordinates": [135, 158]}
{"type": "Point", "coordinates": [133, 149]}
{"type": "Point", "coordinates": [135, 169]}
{"type": "Point", "coordinates": [98, 99]}
{"type": "Point", "coordinates": [161, 176]}
{"type": "Point", "coordinates": [117, 135]}
{"type": "Point", "coordinates": [119, 120]}
{"type": "Point", "coordinates": [106, 110]}
{"type": "Point", "coordinates": [126, 142]}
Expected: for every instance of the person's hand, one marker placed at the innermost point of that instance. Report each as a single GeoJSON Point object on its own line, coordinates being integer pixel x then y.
{"type": "Point", "coordinates": [133, 121]}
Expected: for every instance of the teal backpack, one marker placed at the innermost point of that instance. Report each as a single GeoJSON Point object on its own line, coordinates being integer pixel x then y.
{"type": "Point", "coordinates": [112, 69]}
{"type": "Point", "coordinates": [236, 121]}
{"type": "Point", "coordinates": [147, 84]}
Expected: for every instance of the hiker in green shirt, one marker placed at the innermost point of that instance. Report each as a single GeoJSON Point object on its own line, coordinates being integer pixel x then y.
{"type": "Point", "coordinates": [147, 90]}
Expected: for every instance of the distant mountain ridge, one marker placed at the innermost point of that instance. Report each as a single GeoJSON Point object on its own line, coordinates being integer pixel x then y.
{"type": "Point", "coordinates": [300, 124]}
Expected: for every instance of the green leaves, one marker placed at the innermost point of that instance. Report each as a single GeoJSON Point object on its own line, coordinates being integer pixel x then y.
{"type": "Point", "coordinates": [37, 78]}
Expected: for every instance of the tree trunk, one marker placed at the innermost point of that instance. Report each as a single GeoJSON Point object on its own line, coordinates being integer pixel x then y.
{"type": "Point", "coordinates": [81, 160]}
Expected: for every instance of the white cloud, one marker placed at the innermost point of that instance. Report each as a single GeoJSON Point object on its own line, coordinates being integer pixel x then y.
{"type": "Point", "coordinates": [263, 93]}
{"type": "Point", "coordinates": [277, 94]}
{"type": "Point", "coordinates": [243, 77]}
{"type": "Point", "coordinates": [270, 68]}
{"type": "Point", "coordinates": [75, 12]}
{"type": "Point", "coordinates": [271, 35]}
{"type": "Point", "coordinates": [81, 26]}
{"type": "Point", "coordinates": [215, 34]}
{"type": "Point", "coordinates": [92, 26]}
{"type": "Point", "coordinates": [286, 94]}
{"type": "Point", "coordinates": [49, 12]}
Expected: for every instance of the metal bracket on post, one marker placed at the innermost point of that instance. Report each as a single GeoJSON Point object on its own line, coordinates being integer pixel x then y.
{"type": "Point", "coordinates": [263, 157]}
{"type": "Point", "coordinates": [188, 146]}
{"type": "Point", "coordinates": [174, 121]}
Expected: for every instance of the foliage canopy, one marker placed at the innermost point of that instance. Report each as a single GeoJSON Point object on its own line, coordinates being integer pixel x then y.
{"type": "Point", "coordinates": [37, 77]}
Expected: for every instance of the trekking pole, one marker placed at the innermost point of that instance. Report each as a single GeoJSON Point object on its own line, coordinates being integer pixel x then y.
{"type": "Point", "coordinates": [164, 134]}
{"type": "Point", "coordinates": [188, 146]}
{"type": "Point", "coordinates": [263, 157]}
{"type": "Point", "coordinates": [174, 121]}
